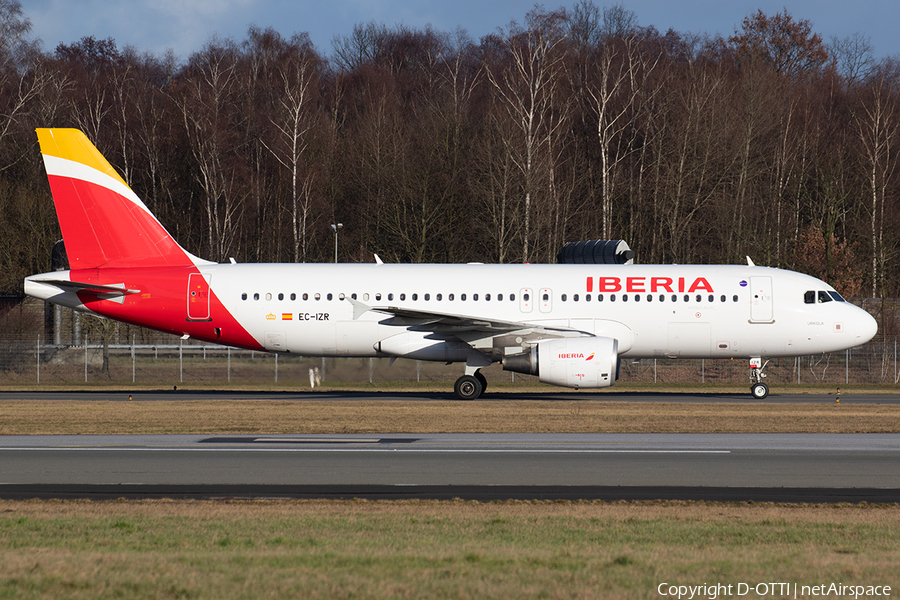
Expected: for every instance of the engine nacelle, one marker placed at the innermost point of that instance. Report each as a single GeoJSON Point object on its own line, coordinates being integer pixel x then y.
{"type": "Point", "coordinates": [584, 362]}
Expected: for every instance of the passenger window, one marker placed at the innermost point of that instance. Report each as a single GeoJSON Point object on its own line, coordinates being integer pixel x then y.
{"type": "Point", "coordinates": [500, 297]}
{"type": "Point", "coordinates": [637, 297]}
{"type": "Point", "coordinates": [563, 297]}
{"type": "Point", "coordinates": [674, 298]}
{"type": "Point", "coordinates": [439, 297]}
{"type": "Point", "coordinates": [649, 297]}
{"type": "Point", "coordinates": [512, 298]}
{"type": "Point", "coordinates": [450, 297]}
{"type": "Point", "coordinates": [341, 296]}
{"type": "Point", "coordinates": [527, 297]}
{"type": "Point", "coordinates": [612, 297]}
{"type": "Point", "coordinates": [712, 298]}
{"type": "Point", "coordinates": [403, 296]}
{"type": "Point", "coordinates": [699, 298]}
{"type": "Point", "coordinates": [599, 297]}
{"type": "Point", "coordinates": [268, 295]}
{"type": "Point", "coordinates": [329, 296]}
{"type": "Point", "coordinates": [305, 296]}
{"type": "Point", "coordinates": [244, 296]}
{"type": "Point", "coordinates": [722, 299]}
{"type": "Point", "coordinates": [462, 297]}
{"type": "Point", "coordinates": [487, 297]}
{"type": "Point", "coordinates": [293, 297]}
{"type": "Point", "coordinates": [587, 297]}
{"type": "Point", "coordinates": [427, 297]}
{"type": "Point", "coordinates": [378, 297]}
{"type": "Point", "coordinates": [624, 297]}
{"type": "Point", "coordinates": [318, 296]}
{"type": "Point", "coordinates": [281, 296]}
{"type": "Point", "coordinates": [809, 297]}
{"type": "Point", "coordinates": [662, 297]}
{"type": "Point", "coordinates": [415, 296]}
{"type": "Point", "coordinates": [391, 296]}
{"type": "Point", "coordinates": [575, 298]}
{"type": "Point", "coordinates": [687, 298]}
{"type": "Point", "coordinates": [734, 298]}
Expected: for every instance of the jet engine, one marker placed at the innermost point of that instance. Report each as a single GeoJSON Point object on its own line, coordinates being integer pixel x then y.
{"type": "Point", "coordinates": [583, 362]}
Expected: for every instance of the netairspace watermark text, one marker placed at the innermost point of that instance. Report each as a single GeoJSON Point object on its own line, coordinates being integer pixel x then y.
{"type": "Point", "coordinates": [712, 591]}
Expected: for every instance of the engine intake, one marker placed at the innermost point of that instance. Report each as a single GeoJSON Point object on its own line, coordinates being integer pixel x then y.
{"type": "Point", "coordinates": [584, 362]}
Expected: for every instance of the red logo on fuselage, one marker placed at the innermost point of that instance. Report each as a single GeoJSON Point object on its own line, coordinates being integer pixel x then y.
{"type": "Point", "coordinates": [648, 284]}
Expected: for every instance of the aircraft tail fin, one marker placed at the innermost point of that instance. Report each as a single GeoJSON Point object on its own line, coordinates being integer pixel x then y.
{"type": "Point", "coordinates": [103, 222]}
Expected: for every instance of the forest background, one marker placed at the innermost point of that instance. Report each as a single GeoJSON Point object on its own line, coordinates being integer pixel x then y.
{"type": "Point", "coordinates": [431, 147]}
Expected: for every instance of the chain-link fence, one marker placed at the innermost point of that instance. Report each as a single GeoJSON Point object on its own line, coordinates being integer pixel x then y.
{"type": "Point", "coordinates": [82, 349]}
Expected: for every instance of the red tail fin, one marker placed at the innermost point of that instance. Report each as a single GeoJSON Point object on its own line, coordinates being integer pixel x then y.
{"type": "Point", "coordinates": [104, 223]}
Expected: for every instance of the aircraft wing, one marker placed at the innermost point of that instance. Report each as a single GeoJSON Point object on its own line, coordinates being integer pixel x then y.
{"type": "Point", "coordinates": [464, 327]}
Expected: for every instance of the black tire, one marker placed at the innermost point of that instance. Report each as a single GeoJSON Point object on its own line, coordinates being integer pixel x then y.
{"type": "Point", "coordinates": [759, 391]}
{"type": "Point", "coordinates": [482, 380]}
{"type": "Point", "coordinates": [467, 387]}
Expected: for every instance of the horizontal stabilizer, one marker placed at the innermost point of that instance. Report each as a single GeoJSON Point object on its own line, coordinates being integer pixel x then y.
{"type": "Point", "coordinates": [78, 286]}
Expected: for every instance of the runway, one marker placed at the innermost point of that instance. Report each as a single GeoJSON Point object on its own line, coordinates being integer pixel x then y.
{"type": "Point", "coordinates": [612, 395]}
{"type": "Point", "coordinates": [736, 467]}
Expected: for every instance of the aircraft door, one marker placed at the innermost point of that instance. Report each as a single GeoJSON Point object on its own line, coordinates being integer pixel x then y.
{"type": "Point", "coordinates": [198, 297]}
{"type": "Point", "coordinates": [526, 300]}
{"type": "Point", "coordinates": [546, 300]}
{"type": "Point", "coordinates": [761, 300]}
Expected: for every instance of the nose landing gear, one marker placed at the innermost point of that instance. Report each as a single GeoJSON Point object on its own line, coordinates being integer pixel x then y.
{"type": "Point", "coordinates": [758, 389]}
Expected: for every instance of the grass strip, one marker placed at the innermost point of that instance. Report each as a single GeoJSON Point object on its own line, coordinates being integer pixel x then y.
{"type": "Point", "coordinates": [429, 549]}
{"type": "Point", "coordinates": [264, 416]}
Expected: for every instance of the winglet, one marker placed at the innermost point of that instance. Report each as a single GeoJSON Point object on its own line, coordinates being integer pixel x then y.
{"type": "Point", "coordinates": [104, 223]}
{"type": "Point", "coordinates": [750, 262]}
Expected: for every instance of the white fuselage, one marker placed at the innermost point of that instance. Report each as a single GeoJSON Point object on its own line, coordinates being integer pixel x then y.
{"type": "Point", "coordinates": [652, 310]}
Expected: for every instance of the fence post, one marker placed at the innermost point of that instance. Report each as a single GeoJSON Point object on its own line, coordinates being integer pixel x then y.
{"type": "Point", "coordinates": [85, 356]}
{"type": "Point", "coordinates": [180, 361]}
{"type": "Point", "coordinates": [229, 364]}
{"type": "Point", "coordinates": [38, 354]}
{"type": "Point", "coordinates": [276, 367]}
{"type": "Point", "coordinates": [132, 358]}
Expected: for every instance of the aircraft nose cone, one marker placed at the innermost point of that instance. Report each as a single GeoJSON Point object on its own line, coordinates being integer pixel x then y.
{"type": "Point", "coordinates": [866, 327]}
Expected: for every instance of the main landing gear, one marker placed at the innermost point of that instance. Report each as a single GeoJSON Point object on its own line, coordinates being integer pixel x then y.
{"type": "Point", "coordinates": [758, 389]}
{"type": "Point", "coordinates": [470, 386]}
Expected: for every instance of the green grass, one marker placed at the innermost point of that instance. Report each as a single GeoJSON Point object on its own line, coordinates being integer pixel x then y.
{"type": "Point", "coordinates": [296, 549]}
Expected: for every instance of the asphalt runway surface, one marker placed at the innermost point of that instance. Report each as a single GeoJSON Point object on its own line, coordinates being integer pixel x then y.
{"type": "Point", "coordinates": [730, 467]}
{"type": "Point", "coordinates": [725, 467]}
{"type": "Point", "coordinates": [562, 396]}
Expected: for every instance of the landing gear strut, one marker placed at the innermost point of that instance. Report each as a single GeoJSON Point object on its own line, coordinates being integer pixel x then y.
{"type": "Point", "coordinates": [758, 389]}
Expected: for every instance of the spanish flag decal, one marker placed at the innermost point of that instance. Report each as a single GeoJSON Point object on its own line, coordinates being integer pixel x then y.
{"type": "Point", "coordinates": [286, 316]}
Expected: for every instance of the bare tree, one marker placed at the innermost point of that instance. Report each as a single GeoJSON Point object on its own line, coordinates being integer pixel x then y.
{"type": "Point", "coordinates": [208, 104]}
{"type": "Point", "coordinates": [877, 122]}
{"type": "Point", "coordinates": [524, 92]}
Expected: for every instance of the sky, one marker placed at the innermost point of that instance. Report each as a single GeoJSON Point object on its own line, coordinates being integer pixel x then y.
{"type": "Point", "coordinates": [184, 26]}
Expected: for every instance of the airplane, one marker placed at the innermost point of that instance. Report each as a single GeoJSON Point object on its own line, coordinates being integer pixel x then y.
{"type": "Point", "coordinates": [568, 324]}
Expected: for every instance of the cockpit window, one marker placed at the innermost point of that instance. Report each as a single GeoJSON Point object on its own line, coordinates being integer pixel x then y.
{"type": "Point", "coordinates": [836, 296]}
{"type": "Point", "coordinates": [824, 297]}
{"type": "Point", "coordinates": [809, 297]}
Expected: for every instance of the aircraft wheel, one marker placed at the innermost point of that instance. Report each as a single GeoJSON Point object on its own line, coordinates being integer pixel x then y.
{"type": "Point", "coordinates": [467, 387]}
{"type": "Point", "coordinates": [759, 390]}
{"type": "Point", "coordinates": [482, 380]}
